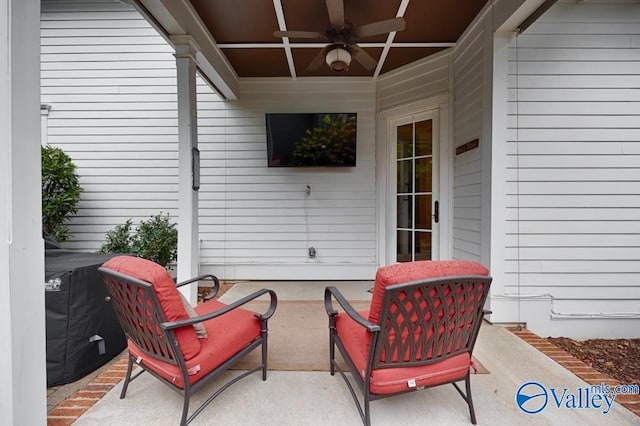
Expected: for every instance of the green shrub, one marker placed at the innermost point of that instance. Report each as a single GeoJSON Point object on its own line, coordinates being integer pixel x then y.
{"type": "Point", "coordinates": [119, 239]}
{"type": "Point", "coordinates": [60, 192]}
{"type": "Point", "coordinates": [155, 239]}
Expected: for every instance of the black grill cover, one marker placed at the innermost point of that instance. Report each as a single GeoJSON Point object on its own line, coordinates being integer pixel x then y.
{"type": "Point", "coordinates": [82, 330]}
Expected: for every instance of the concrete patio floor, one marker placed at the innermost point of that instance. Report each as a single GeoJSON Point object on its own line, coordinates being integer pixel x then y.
{"type": "Point", "coordinates": [317, 398]}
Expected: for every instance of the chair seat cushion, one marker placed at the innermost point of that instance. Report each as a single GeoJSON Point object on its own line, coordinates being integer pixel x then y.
{"type": "Point", "coordinates": [355, 339]}
{"type": "Point", "coordinates": [420, 270]}
{"type": "Point", "coordinates": [227, 335]}
{"type": "Point", "coordinates": [167, 293]}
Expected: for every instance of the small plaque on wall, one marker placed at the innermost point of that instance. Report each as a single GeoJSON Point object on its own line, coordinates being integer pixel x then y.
{"type": "Point", "coordinates": [468, 146]}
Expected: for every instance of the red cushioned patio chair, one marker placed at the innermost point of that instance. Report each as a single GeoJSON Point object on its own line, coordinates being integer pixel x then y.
{"type": "Point", "coordinates": [183, 347]}
{"type": "Point", "coordinates": [419, 332]}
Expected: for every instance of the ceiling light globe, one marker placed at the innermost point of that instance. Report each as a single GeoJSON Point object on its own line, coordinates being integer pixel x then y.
{"type": "Point", "coordinates": [338, 59]}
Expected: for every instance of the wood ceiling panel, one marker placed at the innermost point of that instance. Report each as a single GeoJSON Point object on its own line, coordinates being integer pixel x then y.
{"type": "Point", "coordinates": [437, 20]}
{"type": "Point", "coordinates": [258, 62]}
{"type": "Point", "coordinates": [310, 15]}
{"type": "Point", "coordinates": [398, 57]}
{"type": "Point", "coordinates": [238, 21]}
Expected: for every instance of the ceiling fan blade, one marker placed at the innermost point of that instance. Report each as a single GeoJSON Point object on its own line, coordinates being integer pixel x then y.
{"type": "Point", "coordinates": [380, 27]}
{"type": "Point", "coordinates": [318, 60]}
{"type": "Point", "coordinates": [299, 34]}
{"type": "Point", "coordinates": [336, 13]}
{"type": "Point", "coordinates": [363, 57]}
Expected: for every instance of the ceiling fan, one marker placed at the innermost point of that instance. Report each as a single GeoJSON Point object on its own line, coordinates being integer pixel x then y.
{"type": "Point", "coordinates": [342, 36]}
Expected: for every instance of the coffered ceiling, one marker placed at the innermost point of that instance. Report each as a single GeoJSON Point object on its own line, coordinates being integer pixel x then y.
{"type": "Point", "coordinates": [242, 31]}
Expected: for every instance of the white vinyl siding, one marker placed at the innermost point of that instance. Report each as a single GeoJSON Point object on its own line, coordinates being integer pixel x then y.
{"type": "Point", "coordinates": [468, 77]}
{"type": "Point", "coordinates": [423, 79]}
{"type": "Point", "coordinates": [110, 80]}
{"type": "Point", "coordinates": [257, 222]}
{"type": "Point", "coordinates": [573, 168]}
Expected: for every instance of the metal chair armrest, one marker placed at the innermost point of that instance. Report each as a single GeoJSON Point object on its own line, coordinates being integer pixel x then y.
{"type": "Point", "coordinates": [170, 325]}
{"type": "Point", "coordinates": [328, 306]}
{"type": "Point", "coordinates": [204, 277]}
{"type": "Point", "coordinates": [200, 278]}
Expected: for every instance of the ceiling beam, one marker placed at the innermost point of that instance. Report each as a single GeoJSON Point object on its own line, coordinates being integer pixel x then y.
{"type": "Point", "coordinates": [385, 50]}
{"type": "Point", "coordinates": [282, 25]}
{"type": "Point", "coordinates": [177, 18]}
{"type": "Point", "coordinates": [535, 15]}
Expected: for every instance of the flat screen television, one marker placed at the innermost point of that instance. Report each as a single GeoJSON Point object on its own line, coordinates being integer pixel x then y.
{"type": "Point", "coordinates": [311, 139]}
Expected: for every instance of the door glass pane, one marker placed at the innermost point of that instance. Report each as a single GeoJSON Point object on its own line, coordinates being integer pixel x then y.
{"type": "Point", "coordinates": [424, 138]}
{"type": "Point", "coordinates": [405, 209]}
{"type": "Point", "coordinates": [424, 175]}
{"type": "Point", "coordinates": [414, 190]}
{"type": "Point", "coordinates": [405, 246]}
{"type": "Point", "coordinates": [423, 245]}
{"type": "Point", "coordinates": [405, 140]}
{"type": "Point", "coordinates": [405, 176]}
{"type": "Point", "coordinates": [423, 212]}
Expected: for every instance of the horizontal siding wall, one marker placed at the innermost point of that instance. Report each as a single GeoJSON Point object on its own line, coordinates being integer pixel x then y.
{"type": "Point", "coordinates": [110, 81]}
{"type": "Point", "coordinates": [573, 201]}
{"type": "Point", "coordinates": [468, 78]}
{"type": "Point", "coordinates": [257, 222]}
{"type": "Point", "coordinates": [423, 79]}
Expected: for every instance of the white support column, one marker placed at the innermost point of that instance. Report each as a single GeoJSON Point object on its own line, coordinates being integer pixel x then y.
{"type": "Point", "coordinates": [188, 255]}
{"type": "Point", "coordinates": [22, 311]}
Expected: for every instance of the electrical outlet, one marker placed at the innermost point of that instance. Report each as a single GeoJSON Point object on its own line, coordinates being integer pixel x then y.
{"type": "Point", "coordinates": [312, 252]}
{"type": "Point", "coordinates": [308, 190]}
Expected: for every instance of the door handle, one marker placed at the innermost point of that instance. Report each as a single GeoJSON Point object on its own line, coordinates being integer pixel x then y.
{"type": "Point", "coordinates": [436, 211]}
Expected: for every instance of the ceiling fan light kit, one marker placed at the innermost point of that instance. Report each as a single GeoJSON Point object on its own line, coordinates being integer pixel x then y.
{"type": "Point", "coordinates": [338, 59]}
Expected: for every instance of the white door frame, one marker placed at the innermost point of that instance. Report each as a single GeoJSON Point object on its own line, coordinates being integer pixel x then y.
{"type": "Point", "coordinates": [438, 109]}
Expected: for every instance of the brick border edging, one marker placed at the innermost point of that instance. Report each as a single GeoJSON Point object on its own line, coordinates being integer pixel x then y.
{"type": "Point", "coordinates": [79, 402]}
{"type": "Point", "coordinates": [577, 367]}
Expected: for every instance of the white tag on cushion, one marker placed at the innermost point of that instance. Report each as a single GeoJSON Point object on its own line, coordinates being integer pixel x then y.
{"type": "Point", "coordinates": [193, 370]}
{"type": "Point", "coordinates": [411, 383]}
{"type": "Point", "coordinates": [201, 332]}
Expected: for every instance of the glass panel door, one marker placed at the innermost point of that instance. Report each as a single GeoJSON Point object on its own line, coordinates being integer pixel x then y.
{"type": "Point", "coordinates": [414, 191]}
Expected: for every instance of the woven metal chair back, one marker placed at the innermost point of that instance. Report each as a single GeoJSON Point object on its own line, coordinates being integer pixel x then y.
{"type": "Point", "coordinates": [428, 321]}
{"type": "Point", "coordinates": [138, 310]}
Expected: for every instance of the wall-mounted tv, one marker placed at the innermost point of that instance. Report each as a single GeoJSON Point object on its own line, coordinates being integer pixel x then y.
{"type": "Point", "coordinates": [311, 139]}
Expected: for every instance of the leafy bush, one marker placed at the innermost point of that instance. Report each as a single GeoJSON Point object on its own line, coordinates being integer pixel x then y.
{"type": "Point", "coordinates": [155, 239]}
{"type": "Point", "coordinates": [119, 239]}
{"type": "Point", "coordinates": [60, 192]}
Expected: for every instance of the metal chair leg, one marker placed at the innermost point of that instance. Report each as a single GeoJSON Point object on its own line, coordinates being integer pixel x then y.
{"type": "Point", "coordinates": [332, 346]}
{"type": "Point", "coordinates": [127, 378]}
{"type": "Point", "coordinates": [264, 352]}
{"type": "Point", "coordinates": [472, 413]}
{"type": "Point", "coordinates": [367, 409]}
{"type": "Point", "coordinates": [185, 408]}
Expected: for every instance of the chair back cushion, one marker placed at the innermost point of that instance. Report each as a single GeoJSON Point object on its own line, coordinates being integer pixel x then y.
{"type": "Point", "coordinates": [166, 292]}
{"type": "Point", "coordinates": [420, 270]}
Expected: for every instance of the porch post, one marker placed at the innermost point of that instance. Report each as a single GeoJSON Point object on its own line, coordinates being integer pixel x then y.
{"type": "Point", "coordinates": [188, 169]}
{"type": "Point", "coordinates": [22, 311]}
